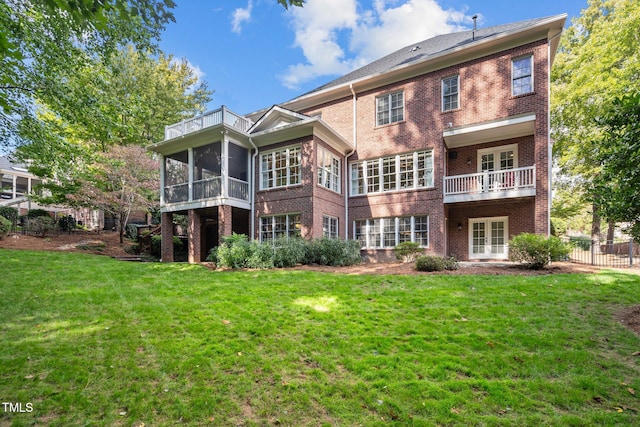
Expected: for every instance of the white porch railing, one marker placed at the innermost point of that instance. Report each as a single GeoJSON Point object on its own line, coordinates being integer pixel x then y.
{"type": "Point", "coordinates": [203, 189]}
{"type": "Point", "coordinates": [496, 184]}
{"type": "Point", "coordinates": [209, 119]}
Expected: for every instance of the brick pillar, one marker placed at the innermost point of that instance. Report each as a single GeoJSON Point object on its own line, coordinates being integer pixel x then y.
{"type": "Point", "coordinates": [166, 249]}
{"type": "Point", "coordinates": [194, 232]}
{"type": "Point", "coordinates": [224, 221]}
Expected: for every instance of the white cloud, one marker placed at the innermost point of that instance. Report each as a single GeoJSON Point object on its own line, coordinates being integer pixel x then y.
{"type": "Point", "coordinates": [335, 43]}
{"type": "Point", "coordinates": [241, 16]}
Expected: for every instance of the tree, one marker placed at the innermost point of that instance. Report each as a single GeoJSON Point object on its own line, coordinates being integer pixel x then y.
{"type": "Point", "coordinates": [597, 62]}
{"type": "Point", "coordinates": [122, 180]}
{"type": "Point", "coordinates": [42, 40]}
{"type": "Point", "coordinates": [127, 99]}
{"type": "Point", "coordinates": [618, 183]}
{"type": "Point", "coordinates": [287, 3]}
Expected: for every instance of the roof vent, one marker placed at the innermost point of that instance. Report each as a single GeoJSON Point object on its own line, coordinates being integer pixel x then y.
{"type": "Point", "coordinates": [474, 17]}
{"type": "Point", "coordinates": [415, 48]}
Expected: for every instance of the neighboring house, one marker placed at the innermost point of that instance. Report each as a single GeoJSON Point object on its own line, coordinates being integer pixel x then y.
{"type": "Point", "coordinates": [16, 184]}
{"type": "Point", "coordinates": [444, 143]}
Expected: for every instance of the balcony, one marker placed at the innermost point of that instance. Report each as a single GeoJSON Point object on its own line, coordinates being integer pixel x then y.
{"type": "Point", "coordinates": [212, 118]}
{"type": "Point", "coordinates": [206, 189]}
{"type": "Point", "coordinates": [511, 183]}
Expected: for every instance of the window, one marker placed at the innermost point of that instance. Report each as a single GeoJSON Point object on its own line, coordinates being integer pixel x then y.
{"type": "Point", "coordinates": [450, 91]}
{"type": "Point", "coordinates": [379, 233]}
{"type": "Point", "coordinates": [281, 168]}
{"type": "Point", "coordinates": [329, 227]}
{"type": "Point", "coordinates": [404, 171]}
{"type": "Point", "coordinates": [522, 75]}
{"type": "Point", "coordinates": [390, 108]}
{"type": "Point", "coordinates": [328, 170]}
{"type": "Point", "coordinates": [279, 226]}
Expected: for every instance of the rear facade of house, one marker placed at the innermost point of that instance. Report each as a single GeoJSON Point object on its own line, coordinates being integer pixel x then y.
{"type": "Point", "coordinates": [444, 143]}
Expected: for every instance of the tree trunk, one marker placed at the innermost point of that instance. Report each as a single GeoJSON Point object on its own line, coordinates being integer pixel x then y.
{"type": "Point", "coordinates": [595, 228]}
{"type": "Point", "coordinates": [610, 236]}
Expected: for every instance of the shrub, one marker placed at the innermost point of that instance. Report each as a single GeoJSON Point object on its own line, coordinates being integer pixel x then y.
{"type": "Point", "coordinates": [334, 252]}
{"type": "Point", "coordinates": [450, 263]}
{"type": "Point", "coordinates": [408, 251]}
{"type": "Point", "coordinates": [537, 251]}
{"type": "Point", "coordinates": [36, 213]}
{"type": "Point", "coordinates": [582, 242]}
{"type": "Point", "coordinates": [234, 251]}
{"type": "Point", "coordinates": [5, 226]}
{"type": "Point", "coordinates": [9, 213]}
{"type": "Point", "coordinates": [67, 223]}
{"type": "Point", "coordinates": [261, 255]}
{"type": "Point", "coordinates": [289, 252]}
{"type": "Point", "coordinates": [429, 263]}
{"type": "Point", "coordinates": [40, 225]}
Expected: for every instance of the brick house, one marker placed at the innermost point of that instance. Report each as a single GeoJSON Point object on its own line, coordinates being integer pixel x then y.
{"type": "Point", "coordinates": [444, 143]}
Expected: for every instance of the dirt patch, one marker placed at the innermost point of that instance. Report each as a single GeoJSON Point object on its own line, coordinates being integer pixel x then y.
{"type": "Point", "coordinates": [103, 243]}
{"type": "Point", "coordinates": [489, 268]}
{"type": "Point", "coordinates": [630, 318]}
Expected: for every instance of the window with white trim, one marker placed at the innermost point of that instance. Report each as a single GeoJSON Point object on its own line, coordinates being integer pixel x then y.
{"type": "Point", "coordinates": [450, 93]}
{"type": "Point", "coordinates": [329, 227]}
{"type": "Point", "coordinates": [522, 75]}
{"type": "Point", "coordinates": [393, 173]}
{"type": "Point", "coordinates": [281, 168]}
{"type": "Point", "coordinates": [390, 108]}
{"type": "Point", "coordinates": [328, 169]}
{"type": "Point", "coordinates": [381, 233]}
{"type": "Point", "coordinates": [279, 226]}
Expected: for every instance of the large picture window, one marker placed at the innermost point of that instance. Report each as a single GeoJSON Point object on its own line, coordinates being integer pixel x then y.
{"type": "Point", "coordinates": [381, 233]}
{"type": "Point", "coordinates": [522, 75]}
{"type": "Point", "coordinates": [390, 108]}
{"type": "Point", "coordinates": [279, 226]}
{"type": "Point", "coordinates": [404, 171]}
{"type": "Point", "coordinates": [328, 170]}
{"type": "Point", "coordinates": [281, 168]}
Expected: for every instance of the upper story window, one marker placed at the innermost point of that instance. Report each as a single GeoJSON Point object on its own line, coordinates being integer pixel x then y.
{"type": "Point", "coordinates": [399, 172]}
{"type": "Point", "coordinates": [328, 169]}
{"type": "Point", "coordinates": [450, 93]}
{"type": "Point", "coordinates": [281, 168]}
{"type": "Point", "coordinates": [522, 75]}
{"type": "Point", "coordinates": [390, 108]}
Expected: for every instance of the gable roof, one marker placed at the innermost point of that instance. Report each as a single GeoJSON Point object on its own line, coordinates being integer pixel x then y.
{"type": "Point", "coordinates": [438, 51]}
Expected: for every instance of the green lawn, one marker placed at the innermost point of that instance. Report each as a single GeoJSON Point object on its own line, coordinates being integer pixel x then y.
{"type": "Point", "coordinates": [87, 340]}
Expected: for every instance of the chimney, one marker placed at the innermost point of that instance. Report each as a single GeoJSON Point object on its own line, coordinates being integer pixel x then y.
{"type": "Point", "coordinates": [474, 17]}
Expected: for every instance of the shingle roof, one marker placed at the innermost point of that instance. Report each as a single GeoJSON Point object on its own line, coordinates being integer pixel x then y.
{"type": "Point", "coordinates": [423, 50]}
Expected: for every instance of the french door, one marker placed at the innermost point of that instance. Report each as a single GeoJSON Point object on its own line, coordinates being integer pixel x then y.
{"type": "Point", "coordinates": [488, 238]}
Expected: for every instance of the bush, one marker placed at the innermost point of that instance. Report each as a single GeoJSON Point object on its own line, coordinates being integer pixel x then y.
{"type": "Point", "coordinates": [234, 251]}
{"type": "Point", "coordinates": [5, 226]}
{"type": "Point", "coordinates": [333, 252]}
{"type": "Point", "coordinates": [67, 223]}
{"type": "Point", "coordinates": [450, 263]}
{"type": "Point", "coordinates": [9, 213]}
{"type": "Point", "coordinates": [289, 252]}
{"type": "Point", "coordinates": [261, 255]}
{"type": "Point", "coordinates": [37, 213]}
{"type": "Point", "coordinates": [582, 242]}
{"type": "Point", "coordinates": [408, 251]}
{"type": "Point", "coordinates": [537, 251]}
{"type": "Point", "coordinates": [40, 225]}
{"type": "Point", "coordinates": [429, 263]}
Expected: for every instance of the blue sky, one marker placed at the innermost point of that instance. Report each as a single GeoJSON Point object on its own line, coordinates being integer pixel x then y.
{"type": "Point", "coordinates": [254, 53]}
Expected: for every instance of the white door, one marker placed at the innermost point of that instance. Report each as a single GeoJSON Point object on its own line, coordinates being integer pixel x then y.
{"type": "Point", "coordinates": [488, 238]}
{"type": "Point", "coordinates": [497, 159]}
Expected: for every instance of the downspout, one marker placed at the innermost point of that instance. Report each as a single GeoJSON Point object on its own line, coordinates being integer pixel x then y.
{"type": "Point", "coordinates": [253, 190]}
{"type": "Point", "coordinates": [549, 146]}
{"type": "Point", "coordinates": [346, 166]}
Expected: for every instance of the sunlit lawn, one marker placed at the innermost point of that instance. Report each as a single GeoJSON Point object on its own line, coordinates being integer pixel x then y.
{"type": "Point", "coordinates": [87, 340]}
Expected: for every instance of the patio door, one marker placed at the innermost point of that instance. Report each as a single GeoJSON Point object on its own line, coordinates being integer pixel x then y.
{"type": "Point", "coordinates": [488, 238]}
{"type": "Point", "coordinates": [497, 159]}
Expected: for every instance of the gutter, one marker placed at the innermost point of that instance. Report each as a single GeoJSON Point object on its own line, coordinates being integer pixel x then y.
{"type": "Point", "coordinates": [346, 165]}
{"type": "Point", "coordinates": [253, 190]}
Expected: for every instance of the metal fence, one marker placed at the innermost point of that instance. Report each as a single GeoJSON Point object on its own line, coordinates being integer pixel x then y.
{"type": "Point", "coordinates": [616, 253]}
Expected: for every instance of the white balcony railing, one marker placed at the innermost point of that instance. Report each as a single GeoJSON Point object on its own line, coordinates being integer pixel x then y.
{"type": "Point", "coordinates": [520, 182]}
{"type": "Point", "coordinates": [238, 189]}
{"type": "Point", "coordinates": [210, 119]}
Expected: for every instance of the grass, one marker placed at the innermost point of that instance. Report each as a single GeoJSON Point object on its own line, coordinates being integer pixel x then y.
{"type": "Point", "coordinates": [88, 340]}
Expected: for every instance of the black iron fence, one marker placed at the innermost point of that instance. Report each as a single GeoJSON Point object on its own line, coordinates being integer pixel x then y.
{"type": "Point", "coordinates": [616, 253]}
